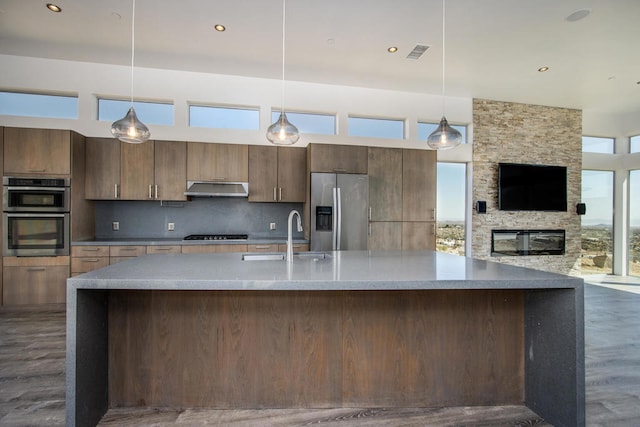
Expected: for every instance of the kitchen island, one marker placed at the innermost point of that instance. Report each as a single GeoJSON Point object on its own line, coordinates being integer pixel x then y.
{"type": "Point", "coordinates": [341, 329]}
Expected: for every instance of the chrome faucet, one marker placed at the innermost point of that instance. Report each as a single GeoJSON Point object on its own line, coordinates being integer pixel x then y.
{"type": "Point", "coordinates": [289, 238]}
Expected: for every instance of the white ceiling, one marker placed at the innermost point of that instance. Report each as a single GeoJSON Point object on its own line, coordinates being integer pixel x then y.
{"type": "Point", "coordinates": [493, 47]}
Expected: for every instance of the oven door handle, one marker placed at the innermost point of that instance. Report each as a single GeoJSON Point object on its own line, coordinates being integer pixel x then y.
{"type": "Point", "coordinates": [35, 215]}
{"type": "Point", "coordinates": [40, 189]}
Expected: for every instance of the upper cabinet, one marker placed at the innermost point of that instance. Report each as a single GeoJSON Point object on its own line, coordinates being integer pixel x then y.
{"type": "Point", "coordinates": [277, 174]}
{"type": "Point", "coordinates": [170, 170]}
{"type": "Point", "coordinates": [37, 151]}
{"type": "Point", "coordinates": [154, 170]}
{"type": "Point", "coordinates": [103, 169]}
{"type": "Point", "coordinates": [418, 185]}
{"type": "Point", "coordinates": [385, 184]}
{"type": "Point", "coordinates": [217, 162]}
{"type": "Point", "coordinates": [337, 158]}
{"type": "Point", "coordinates": [136, 171]}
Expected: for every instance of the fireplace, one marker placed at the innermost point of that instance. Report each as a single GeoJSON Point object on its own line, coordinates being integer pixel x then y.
{"type": "Point", "coordinates": [527, 242]}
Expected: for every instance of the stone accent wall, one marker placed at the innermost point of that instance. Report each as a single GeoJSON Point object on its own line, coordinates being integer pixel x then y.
{"type": "Point", "coordinates": [521, 133]}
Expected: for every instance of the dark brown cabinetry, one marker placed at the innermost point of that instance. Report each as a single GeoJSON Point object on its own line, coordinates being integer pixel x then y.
{"type": "Point", "coordinates": [277, 174]}
{"type": "Point", "coordinates": [217, 162]}
{"type": "Point", "coordinates": [37, 152]}
{"type": "Point", "coordinates": [154, 170]}
{"type": "Point", "coordinates": [337, 158]}
{"type": "Point", "coordinates": [402, 197]}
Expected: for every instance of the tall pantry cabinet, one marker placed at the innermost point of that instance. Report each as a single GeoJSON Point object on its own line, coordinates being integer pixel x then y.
{"type": "Point", "coordinates": [47, 153]}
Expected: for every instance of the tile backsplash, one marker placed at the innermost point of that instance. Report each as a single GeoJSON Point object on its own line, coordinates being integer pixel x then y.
{"type": "Point", "coordinates": [142, 219]}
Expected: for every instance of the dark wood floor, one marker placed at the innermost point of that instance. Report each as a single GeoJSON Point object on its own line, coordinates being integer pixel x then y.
{"type": "Point", "coordinates": [32, 352]}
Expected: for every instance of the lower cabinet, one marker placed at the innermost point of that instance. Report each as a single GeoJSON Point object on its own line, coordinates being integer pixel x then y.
{"type": "Point", "coordinates": [88, 258]}
{"type": "Point", "coordinates": [125, 252]}
{"type": "Point", "coordinates": [163, 249]}
{"type": "Point", "coordinates": [385, 236]}
{"type": "Point", "coordinates": [207, 249]}
{"type": "Point", "coordinates": [419, 236]}
{"type": "Point", "coordinates": [274, 247]}
{"type": "Point", "coordinates": [34, 280]}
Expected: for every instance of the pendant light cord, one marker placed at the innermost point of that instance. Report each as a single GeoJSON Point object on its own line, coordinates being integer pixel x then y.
{"type": "Point", "coordinates": [284, 12]}
{"type": "Point", "coordinates": [443, 55]}
{"type": "Point", "coordinates": [133, 35]}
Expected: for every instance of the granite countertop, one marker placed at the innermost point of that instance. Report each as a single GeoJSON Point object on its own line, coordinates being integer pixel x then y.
{"type": "Point", "coordinates": [344, 270]}
{"type": "Point", "coordinates": [156, 241]}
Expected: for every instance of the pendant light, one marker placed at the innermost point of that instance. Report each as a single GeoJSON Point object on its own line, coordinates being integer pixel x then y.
{"type": "Point", "coordinates": [282, 132]}
{"type": "Point", "coordinates": [444, 137]}
{"type": "Point", "coordinates": [129, 128]}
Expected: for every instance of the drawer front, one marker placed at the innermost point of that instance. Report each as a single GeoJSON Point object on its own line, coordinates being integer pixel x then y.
{"type": "Point", "coordinates": [164, 249]}
{"type": "Point", "coordinates": [89, 251]}
{"type": "Point", "coordinates": [85, 264]}
{"type": "Point", "coordinates": [127, 251]}
{"type": "Point", "coordinates": [35, 285]}
{"type": "Point", "coordinates": [204, 249]}
{"type": "Point", "coordinates": [263, 248]}
{"type": "Point", "coordinates": [297, 247]}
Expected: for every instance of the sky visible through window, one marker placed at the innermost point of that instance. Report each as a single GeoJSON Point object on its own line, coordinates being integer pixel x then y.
{"type": "Point", "coordinates": [322, 124]}
{"type": "Point", "coordinates": [38, 105]}
{"type": "Point", "coordinates": [593, 144]}
{"type": "Point", "coordinates": [597, 194]}
{"type": "Point", "coordinates": [634, 198]}
{"type": "Point", "coordinates": [451, 192]}
{"type": "Point", "coordinates": [376, 128]}
{"type": "Point", "coordinates": [154, 113]}
{"type": "Point", "coordinates": [634, 144]}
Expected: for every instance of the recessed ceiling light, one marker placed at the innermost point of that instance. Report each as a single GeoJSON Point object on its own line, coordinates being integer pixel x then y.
{"type": "Point", "coordinates": [219, 27]}
{"type": "Point", "coordinates": [578, 15]}
{"type": "Point", "coordinates": [392, 49]}
{"type": "Point", "coordinates": [54, 8]}
{"type": "Point", "coordinates": [543, 69]}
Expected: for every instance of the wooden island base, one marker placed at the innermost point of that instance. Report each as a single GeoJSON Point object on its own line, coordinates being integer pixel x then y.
{"type": "Point", "coordinates": [293, 349]}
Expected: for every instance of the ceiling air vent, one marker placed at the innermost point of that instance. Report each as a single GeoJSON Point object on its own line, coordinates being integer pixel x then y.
{"type": "Point", "coordinates": [417, 51]}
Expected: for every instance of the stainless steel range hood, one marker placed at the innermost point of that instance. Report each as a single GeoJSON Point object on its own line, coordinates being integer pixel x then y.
{"type": "Point", "coordinates": [217, 189]}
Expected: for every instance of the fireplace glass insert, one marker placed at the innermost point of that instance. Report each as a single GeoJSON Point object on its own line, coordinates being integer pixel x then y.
{"type": "Point", "coordinates": [527, 242]}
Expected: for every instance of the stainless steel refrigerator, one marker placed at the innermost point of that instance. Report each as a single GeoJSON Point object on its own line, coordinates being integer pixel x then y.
{"type": "Point", "coordinates": [339, 211]}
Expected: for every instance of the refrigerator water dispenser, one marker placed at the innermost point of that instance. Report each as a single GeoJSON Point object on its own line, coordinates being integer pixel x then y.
{"type": "Point", "coordinates": [324, 218]}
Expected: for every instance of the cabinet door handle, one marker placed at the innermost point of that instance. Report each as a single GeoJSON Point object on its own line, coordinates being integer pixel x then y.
{"type": "Point", "coordinates": [339, 170]}
{"type": "Point", "coordinates": [280, 197]}
{"type": "Point", "coordinates": [162, 249]}
{"type": "Point", "coordinates": [115, 193]}
{"type": "Point", "coordinates": [35, 269]}
{"type": "Point", "coordinates": [37, 170]}
{"type": "Point", "coordinates": [90, 249]}
{"type": "Point", "coordinates": [369, 229]}
{"type": "Point", "coordinates": [90, 260]}
{"type": "Point", "coordinates": [156, 191]}
{"type": "Point", "coordinates": [275, 199]}
{"type": "Point", "coordinates": [433, 214]}
{"type": "Point", "coordinates": [433, 229]}
{"type": "Point", "coordinates": [369, 213]}
{"type": "Point", "coordinates": [150, 191]}
{"type": "Point", "coordinates": [263, 246]}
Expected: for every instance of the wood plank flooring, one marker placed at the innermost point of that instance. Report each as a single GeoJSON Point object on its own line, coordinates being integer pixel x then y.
{"type": "Point", "coordinates": [32, 384]}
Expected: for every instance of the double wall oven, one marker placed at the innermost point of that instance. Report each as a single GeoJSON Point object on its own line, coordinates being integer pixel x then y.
{"type": "Point", "coordinates": [35, 216]}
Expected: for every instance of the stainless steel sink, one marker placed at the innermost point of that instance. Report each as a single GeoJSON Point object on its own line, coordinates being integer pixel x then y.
{"type": "Point", "coordinates": [263, 257]}
{"type": "Point", "coordinates": [315, 255]}
{"type": "Point", "coordinates": [278, 256]}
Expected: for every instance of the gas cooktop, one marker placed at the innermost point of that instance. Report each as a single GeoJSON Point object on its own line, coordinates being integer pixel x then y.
{"type": "Point", "coordinates": [216, 237]}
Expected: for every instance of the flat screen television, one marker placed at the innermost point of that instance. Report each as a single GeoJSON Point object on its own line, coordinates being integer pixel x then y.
{"type": "Point", "coordinates": [532, 187]}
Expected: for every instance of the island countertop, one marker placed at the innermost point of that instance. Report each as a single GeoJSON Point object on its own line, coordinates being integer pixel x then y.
{"type": "Point", "coordinates": [345, 270]}
{"type": "Point", "coordinates": [325, 330]}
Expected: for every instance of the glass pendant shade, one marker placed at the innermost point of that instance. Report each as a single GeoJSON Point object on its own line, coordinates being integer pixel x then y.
{"type": "Point", "coordinates": [130, 129]}
{"type": "Point", "coordinates": [444, 136]}
{"type": "Point", "coordinates": [282, 132]}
